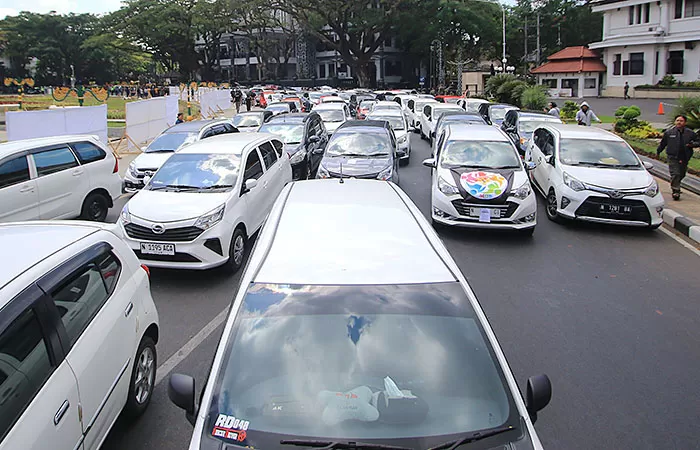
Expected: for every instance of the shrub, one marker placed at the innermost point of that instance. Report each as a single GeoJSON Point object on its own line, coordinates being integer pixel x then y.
{"type": "Point", "coordinates": [667, 80]}
{"type": "Point", "coordinates": [508, 91]}
{"type": "Point", "coordinates": [643, 130]}
{"type": "Point", "coordinates": [533, 98]}
{"type": "Point", "coordinates": [621, 111]}
{"type": "Point", "coordinates": [495, 82]}
{"type": "Point", "coordinates": [687, 106]}
{"type": "Point", "coordinates": [568, 111]}
{"type": "Point", "coordinates": [632, 113]}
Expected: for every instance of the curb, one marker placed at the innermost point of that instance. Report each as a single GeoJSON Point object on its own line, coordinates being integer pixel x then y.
{"type": "Point", "coordinates": [682, 224]}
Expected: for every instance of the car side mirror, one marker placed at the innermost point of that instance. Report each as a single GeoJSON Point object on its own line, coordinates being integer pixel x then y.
{"type": "Point", "coordinates": [549, 159]}
{"type": "Point", "coordinates": [430, 162]}
{"type": "Point", "coordinates": [647, 165]}
{"type": "Point", "coordinates": [314, 139]}
{"type": "Point", "coordinates": [529, 165]}
{"type": "Point", "coordinates": [181, 393]}
{"type": "Point", "coordinates": [539, 393]}
{"type": "Point", "coordinates": [318, 151]}
{"type": "Point", "coordinates": [249, 185]}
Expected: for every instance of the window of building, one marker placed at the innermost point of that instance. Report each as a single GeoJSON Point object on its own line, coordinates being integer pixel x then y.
{"type": "Point", "coordinates": [550, 83]}
{"type": "Point", "coordinates": [647, 12]}
{"type": "Point", "coordinates": [617, 62]}
{"type": "Point", "coordinates": [675, 62]}
{"type": "Point", "coordinates": [636, 63]}
{"type": "Point", "coordinates": [692, 8]}
{"type": "Point", "coordinates": [589, 83]}
{"type": "Point", "coordinates": [656, 63]}
{"type": "Point", "coordinates": [631, 15]}
{"type": "Point", "coordinates": [331, 70]}
{"type": "Point", "coordinates": [322, 71]}
{"type": "Point", "coordinates": [639, 13]}
{"type": "Point", "coordinates": [678, 9]}
{"type": "Point", "coordinates": [392, 68]}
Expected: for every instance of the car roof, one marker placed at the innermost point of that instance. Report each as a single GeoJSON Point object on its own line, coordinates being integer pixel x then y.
{"type": "Point", "coordinates": [502, 105]}
{"type": "Point", "coordinates": [285, 104]}
{"type": "Point", "coordinates": [194, 125]}
{"type": "Point", "coordinates": [331, 105]}
{"type": "Point", "coordinates": [8, 148]}
{"type": "Point", "coordinates": [387, 103]}
{"type": "Point", "coordinates": [366, 234]}
{"type": "Point", "coordinates": [453, 106]}
{"type": "Point", "coordinates": [363, 124]}
{"type": "Point", "coordinates": [228, 143]}
{"type": "Point", "coordinates": [532, 114]}
{"type": "Point", "coordinates": [293, 117]}
{"type": "Point", "coordinates": [385, 113]}
{"type": "Point", "coordinates": [31, 243]}
{"type": "Point", "coordinates": [475, 132]}
{"type": "Point", "coordinates": [578, 132]}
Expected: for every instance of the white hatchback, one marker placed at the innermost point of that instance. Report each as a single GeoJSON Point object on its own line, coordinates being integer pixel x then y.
{"type": "Point", "coordinates": [333, 114]}
{"type": "Point", "coordinates": [203, 204]}
{"type": "Point", "coordinates": [78, 331]}
{"type": "Point", "coordinates": [399, 124]}
{"type": "Point", "coordinates": [59, 177]}
{"type": "Point", "coordinates": [478, 180]}
{"type": "Point", "coordinates": [430, 116]}
{"type": "Point", "coordinates": [590, 174]}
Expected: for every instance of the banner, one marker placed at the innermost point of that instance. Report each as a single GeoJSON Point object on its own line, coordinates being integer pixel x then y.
{"type": "Point", "coordinates": [214, 101]}
{"type": "Point", "coordinates": [146, 119]}
{"type": "Point", "coordinates": [57, 122]}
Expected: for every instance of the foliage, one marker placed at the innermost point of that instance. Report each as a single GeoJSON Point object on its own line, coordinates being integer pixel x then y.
{"type": "Point", "coordinates": [510, 91]}
{"type": "Point", "coordinates": [627, 122]}
{"type": "Point", "coordinates": [643, 130]}
{"type": "Point", "coordinates": [668, 80]}
{"type": "Point", "coordinates": [494, 83]}
{"type": "Point", "coordinates": [689, 107]}
{"type": "Point", "coordinates": [648, 148]}
{"type": "Point", "coordinates": [628, 112]}
{"type": "Point", "coordinates": [533, 98]}
{"type": "Point", "coordinates": [568, 111]}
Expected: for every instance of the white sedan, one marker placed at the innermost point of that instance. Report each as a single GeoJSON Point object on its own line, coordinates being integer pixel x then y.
{"type": "Point", "coordinates": [399, 124]}
{"type": "Point", "coordinates": [593, 175]}
{"type": "Point", "coordinates": [479, 181]}
{"type": "Point", "coordinates": [333, 115]}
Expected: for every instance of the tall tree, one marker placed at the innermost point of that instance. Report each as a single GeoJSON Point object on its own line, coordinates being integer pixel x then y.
{"type": "Point", "coordinates": [211, 19]}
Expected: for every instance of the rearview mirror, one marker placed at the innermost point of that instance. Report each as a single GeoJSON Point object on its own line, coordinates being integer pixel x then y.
{"type": "Point", "coordinates": [430, 162]}
{"type": "Point", "coordinates": [539, 393]}
{"type": "Point", "coordinates": [529, 165]}
{"type": "Point", "coordinates": [549, 159]}
{"type": "Point", "coordinates": [181, 393]}
{"type": "Point", "coordinates": [647, 165]}
{"type": "Point", "coordinates": [249, 185]}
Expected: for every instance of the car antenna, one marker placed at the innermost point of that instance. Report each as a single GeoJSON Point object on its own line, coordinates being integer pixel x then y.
{"type": "Point", "coordinates": [341, 174]}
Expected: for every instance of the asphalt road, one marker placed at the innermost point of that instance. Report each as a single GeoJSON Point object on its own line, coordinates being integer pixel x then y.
{"type": "Point", "coordinates": [610, 314]}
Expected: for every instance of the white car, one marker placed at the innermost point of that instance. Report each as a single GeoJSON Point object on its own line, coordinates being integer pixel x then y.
{"type": "Point", "coordinates": [399, 124]}
{"type": "Point", "coordinates": [403, 99]}
{"type": "Point", "coordinates": [199, 210]}
{"type": "Point", "coordinates": [332, 99]}
{"type": "Point", "coordinates": [593, 175]}
{"type": "Point", "coordinates": [78, 335]}
{"type": "Point", "coordinates": [479, 181]}
{"type": "Point", "coordinates": [333, 115]}
{"type": "Point", "coordinates": [168, 142]}
{"type": "Point", "coordinates": [471, 105]}
{"type": "Point", "coordinates": [385, 105]}
{"type": "Point", "coordinates": [410, 360]}
{"type": "Point", "coordinates": [416, 110]}
{"type": "Point", "coordinates": [430, 116]}
{"type": "Point", "coordinates": [60, 177]}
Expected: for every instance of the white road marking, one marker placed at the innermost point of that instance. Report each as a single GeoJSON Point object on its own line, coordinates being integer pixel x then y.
{"type": "Point", "coordinates": [679, 240]}
{"type": "Point", "coordinates": [184, 351]}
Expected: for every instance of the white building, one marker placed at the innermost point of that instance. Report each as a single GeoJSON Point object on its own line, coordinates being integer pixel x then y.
{"type": "Point", "coordinates": [644, 41]}
{"type": "Point", "coordinates": [571, 72]}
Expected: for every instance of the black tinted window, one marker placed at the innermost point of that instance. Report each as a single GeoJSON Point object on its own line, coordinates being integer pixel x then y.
{"type": "Point", "coordinates": [14, 171]}
{"type": "Point", "coordinates": [110, 267]}
{"type": "Point", "coordinates": [278, 147]}
{"type": "Point", "coordinates": [88, 152]}
{"type": "Point", "coordinates": [56, 160]}
{"type": "Point", "coordinates": [268, 153]}
{"type": "Point", "coordinates": [24, 367]}
{"type": "Point", "coordinates": [253, 167]}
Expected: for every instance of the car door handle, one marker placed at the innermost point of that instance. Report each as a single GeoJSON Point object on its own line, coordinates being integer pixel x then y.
{"type": "Point", "coordinates": [27, 189]}
{"type": "Point", "coordinates": [61, 412]}
{"type": "Point", "coordinates": [128, 309]}
{"type": "Point", "coordinates": [77, 173]}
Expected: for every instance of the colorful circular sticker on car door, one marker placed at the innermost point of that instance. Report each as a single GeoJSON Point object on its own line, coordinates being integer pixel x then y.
{"type": "Point", "coordinates": [484, 185]}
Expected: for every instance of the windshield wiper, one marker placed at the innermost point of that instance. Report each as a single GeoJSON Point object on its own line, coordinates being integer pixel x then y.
{"type": "Point", "coordinates": [470, 166]}
{"type": "Point", "coordinates": [473, 437]}
{"type": "Point", "coordinates": [338, 445]}
{"type": "Point", "coordinates": [160, 150]}
{"type": "Point", "coordinates": [362, 155]}
{"type": "Point", "coordinates": [174, 186]}
{"type": "Point", "coordinates": [624, 165]}
{"type": "Point", "coordinates": [505, 167]}
{"type": "Point", "coordinates": [377, 154]}
{"type": "Point", "coordinates": [217, 186]}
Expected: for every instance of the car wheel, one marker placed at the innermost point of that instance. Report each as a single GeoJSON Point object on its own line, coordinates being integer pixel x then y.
{"type": "Point", "coordinates": [95, 208]}
{"type": "Point", "coordinates": [552, 213]}
{"type": "Point", "coordinates": [237, 250]}
{"type": "Point", "coordinates": [143, 379]}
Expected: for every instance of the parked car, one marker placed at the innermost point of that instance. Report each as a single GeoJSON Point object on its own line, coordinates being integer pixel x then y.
{"type": "Point", "coordinates": [471, 105]}
{"type": "Point", "coordinates": [519, 125]}
{"type": "Point", "coordinates": [168, 142]}
{"type": "Point", "coordinates": [399, 125]}
{"type": "Point", "coordinates": [479, 181]}
{"type": "Point", "coordinates": [250, 121]}
{"type": "Point", "coordinates": [333, 115]}
{"type": "Point", "coordinates": [361, 149]}
{"type": "Point", "coordinates": [403, 99]}
{"type": "Point", "coordinates": [386, 105]}
{"type": "Point", "coordinates": [281, 108]}
{"type": "Point", "coordinates": [416, 110]}
{"type": "Point", "coordinates": [299, 105]}
{"type": "Point", "coordinates": [78, 335]}
{"type": "Point", "coordinates": [60, 177]}
{"type": "Point", "coordinates": [199, 210]}
{"type": "Point", "coordinates": [454, 118]}
{"type": "Point", "coordinates": [430, 115]}
{"type": "Point", "coordinates": [494, 113]}
{"type": "Point", "coordinates": [304, 138]}
{"type": "Point", "coordinates": [593, 175]}
{"type": "Point", "coordinates": [448, 98]}
{"type": "Point", "coordinates": [364, 108]}
{"type": "Point", "coordinates": [332, 98]}
{"type": "Point", "coordinates": [378, 279]}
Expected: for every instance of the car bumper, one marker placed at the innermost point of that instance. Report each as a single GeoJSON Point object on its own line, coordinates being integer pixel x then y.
{"type": "Point", "coordinates": [521, 214]}
{"type": "Point", "coordinates": [404, 150]}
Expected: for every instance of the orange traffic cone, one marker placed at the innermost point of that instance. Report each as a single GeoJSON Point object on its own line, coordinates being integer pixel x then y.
{"type": "Point", "coordinates": [661, 109]}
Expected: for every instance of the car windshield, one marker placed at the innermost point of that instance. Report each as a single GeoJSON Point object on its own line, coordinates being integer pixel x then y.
{"type": "Point", "coordinates": [392, 107]}
{"type": "Point", "coordinates": [529, 126]}
{"type": "Point", "coordinates": [170, 142]}
{"type": "Point", "coordinates": [290, 133]}
{"type": "Point", "coordinates": [498, 113]}
{"type": "Point", "coordinates": [331, 115]}
{"type": "Point", "coordinates": [451, 99]}
{"type": "Point", "coordinates": [473, 107]}
{"type": "Point", "coordinates": [591, 152]}
{"type": "Point", "coordinates": [482, 154]}
{"type": "Point", "coordinates": [315, 95]}
{"type": "Point", "coordinates": [370, 144]}
{"type": "Point", "coordinates": [331, 363]}
{"type": "Point", "coordinates": [197, 171]}
{"type": "Point", "coordinates": [367, 103]}
{"type": "Point", "coordinates": [278, 107]}
{"type": "Point", "coordinates": [437, 112]}
{"type": "Point", "coordinates": [246, 120]}
{"type": "Point", "coordinates": [396, 122]}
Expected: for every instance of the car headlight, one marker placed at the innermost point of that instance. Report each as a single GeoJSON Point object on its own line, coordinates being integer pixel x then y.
{"type": "Point", "coordinates": [573, 183]}
{"type": "Point", "coordinates": [403, 139]}
{"type": "Point", "coordinates": [446, 187]}
{"type": "Point", "coordinates": [652, 189]}
{"type": "Point", "coordinates": [125, 216]}
{"type": "Point", "coordinates": [297, 157]}
{"type": "Point", "coordinates": [211, 218]}
{"type": "Point", "coordinates": [385, 174]}
{"type": "Point", "coordinates": [132, 168]}
{"type": "Point", "coordinates": [323, 172]}
{"type": "Point", "coordinates": [522, 192]}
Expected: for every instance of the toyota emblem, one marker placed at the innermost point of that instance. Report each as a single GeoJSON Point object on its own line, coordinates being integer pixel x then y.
{"type": "Point", "coordinates": [616, 194]}
{"type": "Point", "coordinates": [158, 229]}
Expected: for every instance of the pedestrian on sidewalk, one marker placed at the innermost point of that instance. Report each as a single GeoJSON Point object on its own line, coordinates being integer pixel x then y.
{"type": "Point", "coordinates": [179, 118]}
{"type": "Point", "coordinates": [249, 101]}
{"type": "Point", "coordinates": [238, 98]}
{"type": "Point", "coordinates": [585, 115]}
{"type": "Point", "coordinates": [627, 90]}
{"type": "Point", "coordinates": [678, 142]}
{"type": "Point", "coordinates": [553, 110]}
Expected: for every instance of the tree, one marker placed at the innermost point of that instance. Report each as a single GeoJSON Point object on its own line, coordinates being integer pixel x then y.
{"type": "Point", "coordinates": [211, 19]}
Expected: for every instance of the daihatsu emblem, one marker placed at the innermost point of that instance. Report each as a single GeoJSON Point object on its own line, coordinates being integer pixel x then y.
{"type": "Point", "coordinates": [158, 229]}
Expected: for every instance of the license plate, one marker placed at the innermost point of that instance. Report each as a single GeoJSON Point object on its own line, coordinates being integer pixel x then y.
{"type": "Point", "coordinates": [157, 249]}
{"type": "Point", "coordinates": [616, 209]}
{"type": "Point", "coordinates": [485, 214]}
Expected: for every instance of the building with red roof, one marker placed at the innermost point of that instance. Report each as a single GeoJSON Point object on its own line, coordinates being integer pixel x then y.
{"type": "Point", "coordinates": [572, 72]}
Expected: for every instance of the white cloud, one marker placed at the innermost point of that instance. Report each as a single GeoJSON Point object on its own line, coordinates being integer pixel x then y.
{"type": "Point", "coordinates": [60, 6]}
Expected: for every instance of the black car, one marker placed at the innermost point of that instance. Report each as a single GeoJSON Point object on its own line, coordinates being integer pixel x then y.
{"type": "Point", "coordinates": [361, 149]}
{"type": "Point", "coordinates": [304, 138]}
{"type": "Point", "coordinates": [519, 126]}
{"type": "Point", "coordinates": [493, 113]}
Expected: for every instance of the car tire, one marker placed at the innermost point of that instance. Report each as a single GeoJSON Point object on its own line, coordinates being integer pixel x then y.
{"type": "Point", "coordinates": [143, 379]}
{"type": "Point", "coordinates": [551, 207]}
{"type": "Point", "coordinates": [237, 250]}
{"type": "Point", "coordinates": [95, 208]}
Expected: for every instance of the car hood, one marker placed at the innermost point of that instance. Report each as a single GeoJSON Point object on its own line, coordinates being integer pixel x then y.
{"type": "Point", "coordinates": [610, 178]}
{"type": "Point", "coordinates": [355, 165]}
{"type": "Point", "coordinates": [292, 148]}
{"type": "Point", "coordinates": [247, 129]}
{"type": "Point", "coordinates": [332, 126]}
{"type": "Point", "coordinates": [152, 160]}
{"type": "Point", "coordinates": [160, 206]}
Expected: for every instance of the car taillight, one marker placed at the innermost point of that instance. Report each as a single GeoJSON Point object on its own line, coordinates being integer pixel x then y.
{"type": "Point", "coordinates": [147, 270]}
{"type": "Point", "coordinates": [116, 164]}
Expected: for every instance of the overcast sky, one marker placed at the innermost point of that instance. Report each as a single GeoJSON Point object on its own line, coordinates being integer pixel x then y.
{"type": "Point", "coordinates": [12, 7]}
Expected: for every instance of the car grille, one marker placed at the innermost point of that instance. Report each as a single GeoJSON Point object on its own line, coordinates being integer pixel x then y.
{"type": "Point", "coordinates": [462, 207]}
{"type": "Point", "coordinates": [140, 173]}
{"type": "Point", "coordinates": [182, 234]}
{"type": "Point", "coordinates": [177, 257]}
{"type": "Point", "coordinates": [368, 176]}
{"type": "Point", "coordinates": [591, 208]}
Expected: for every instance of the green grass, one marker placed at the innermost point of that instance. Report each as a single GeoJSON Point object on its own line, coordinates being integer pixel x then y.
{"type": "Point", "coordinates": [607, 119]}
{"type": "Point", "coordinates": [648, 148]}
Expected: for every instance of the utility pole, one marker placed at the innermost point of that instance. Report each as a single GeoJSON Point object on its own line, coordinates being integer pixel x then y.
{"type": "Point", "coordinates": [538, 39]}
{"type": "Point", "coordinates": [460, 66]}
{"type": "Point", "coordinates": [525, 54]}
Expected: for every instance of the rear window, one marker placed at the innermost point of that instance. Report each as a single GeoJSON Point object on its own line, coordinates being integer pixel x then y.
{"type": "Point", "coordinates": [88, 152]}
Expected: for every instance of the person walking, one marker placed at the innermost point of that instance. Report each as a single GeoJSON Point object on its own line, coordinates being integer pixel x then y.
{"type": "Point", "coordinates": [678, 142]}
{"type": "Point", "coordinates": [553, 110]}
{"type": "Point", "coordinates": [585, 115]}
{"type": "Point", "coordinates": [237, 98]}
{"type": "Point", "coordinates": [179, 118]}
{"type": "Point", "coordinates": [248, 101]}
{"type": "Point", "coordinates": [627, 90]}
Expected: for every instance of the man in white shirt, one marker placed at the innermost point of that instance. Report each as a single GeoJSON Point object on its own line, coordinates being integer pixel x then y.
{"type": "Point", "coordinates": [585, 115]}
